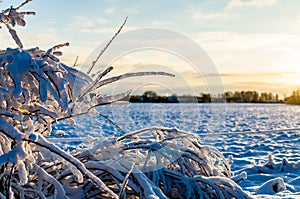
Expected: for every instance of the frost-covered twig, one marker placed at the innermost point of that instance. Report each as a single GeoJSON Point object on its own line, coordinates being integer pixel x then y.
{"type": "Point", "coordinates": [90, 88]}
{"type": "Point", "coordinates": [42, 142]}
{"type": "Point", "coordinates": [176, 169]}
{"type": "Point", "coordinates": [107, 45]}
{"type": "Point", "coordinates": [23, 4]}
{"type": "Point", "coordinates": [11, 17]}
{"type": "Point", "coordinates": [75, 62]}
{"type": "Point", "coordinates": [128, 75]}
{"type": "Point", "coordinates": [125, 181]}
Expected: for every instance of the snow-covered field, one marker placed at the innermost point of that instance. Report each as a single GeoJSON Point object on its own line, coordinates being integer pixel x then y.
{"type": "Point", "coordinates": [220, 125]}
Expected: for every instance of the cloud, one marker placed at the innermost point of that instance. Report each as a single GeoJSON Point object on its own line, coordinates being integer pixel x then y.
{"type": "Point", "coordinates": [107, 30]}
{"type": "Point", "coordinates": [223, 40]}
{"type": "Point", "coordinates": [43, 40]}
{"type": "Point", "coordinates": [131, 10]}
{"type": "Point", "coordinates": [200, 15]}
{"type": "Point", "coordinates": [6, 40]}
{"type": "Point", "coordinates": [266, 76]}
{"type": "Point", "coordinates": [110, 10]}
{"type": "Point", "coordinates": [162, 23]}
{"type": "Point", "coordinates": [102, 20]}
{"type": "Point", "coordinates": [84, 23]}
{"type": "Point", "coordinates": [251, 3]}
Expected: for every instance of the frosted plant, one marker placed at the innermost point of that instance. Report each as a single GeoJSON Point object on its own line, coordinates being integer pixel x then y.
{"type": "Point", "coordinates": [36, 90]}
{"type": "Point", "coordinates": [169, 163]}
{"type": "Point", "coordinates": [12, 17]}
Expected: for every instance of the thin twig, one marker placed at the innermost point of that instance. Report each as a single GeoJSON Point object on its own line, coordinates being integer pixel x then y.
{"type": "Point", "coordinates": [105, 48]}
{"type": "Point", "coordinates": [23, 4]}
{"type": "Point", "coordinates": [9, 181]}
{"type": "Point", "coordinates": [113, 123]}
{"type": "Point", "coordinates": [75, 63]}
{"type": "Point", "coordinates": [128, 75]}
{"type": "Point", "coordinates": [80, 166]}
{"type": "Point", "coordinates": [125, 182]}
{"type": "Point", "coordinates": [107, 102]}
{"type": "Point", "coordinates": [94, 84]}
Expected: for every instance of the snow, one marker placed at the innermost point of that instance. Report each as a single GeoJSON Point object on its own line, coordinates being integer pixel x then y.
{"type": "Point", "coordinates": [181, 158]}
{"type": "Point", "coordinates": [180, 151]}
{"type": "Point", "coordinates": [265, 164]}
{"type": "Point", "coordinates": [272, 186]}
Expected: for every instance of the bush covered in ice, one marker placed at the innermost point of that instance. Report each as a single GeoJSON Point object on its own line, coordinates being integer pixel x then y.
{"type": "Point", "coordinates": [36, 90]}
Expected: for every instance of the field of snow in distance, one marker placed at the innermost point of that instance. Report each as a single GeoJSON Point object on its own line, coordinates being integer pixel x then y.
{"type": "Point", "coordinates": [264, 163]}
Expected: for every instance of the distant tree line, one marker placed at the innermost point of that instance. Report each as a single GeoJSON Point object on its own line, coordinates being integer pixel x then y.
{"type": "Point", "coordinates": [294, 98]}
{"type": "Point", "coordinates": [229, 97]}
{"type": "Point", "coordinates": [251, 97]}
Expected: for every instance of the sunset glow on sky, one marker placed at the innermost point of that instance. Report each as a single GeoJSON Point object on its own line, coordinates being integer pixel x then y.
{"type": "Point", "coordinates": [254, 44]}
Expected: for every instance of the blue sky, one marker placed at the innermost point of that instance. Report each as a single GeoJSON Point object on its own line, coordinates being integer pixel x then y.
{"type": "Point", "coordinates": [254, 44]}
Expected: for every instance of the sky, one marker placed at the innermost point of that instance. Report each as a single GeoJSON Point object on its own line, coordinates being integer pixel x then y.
{"type": "Point", "coordinates": [245, 44]}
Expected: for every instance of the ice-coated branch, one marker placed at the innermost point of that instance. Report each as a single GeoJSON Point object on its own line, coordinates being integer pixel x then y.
{"type": "Point", "coordinates": [125, 181]}
{"type": "Point", "coordinates": [107, 45]}
{"type": "Point", "coordinates": [159, 131]}
{"type": "Point", "coordinates": [12, 17]}
{"type": "Point", "coordinates": [56, 47]}
{"type": "Point", "coordinates": [14, 35]}
{"type": "Point", "coordinates": [9, 130]}
{"type": "Point", "coordinates": [42, 142]}
{"type": "Point", "coordinates": [23, 4]}
{"type": "Point", "coordinates": [90, 87]}
{"type": "Point", "coordinates": [128, 75]}
{"type": "Point", "coordinates": [75, 62]}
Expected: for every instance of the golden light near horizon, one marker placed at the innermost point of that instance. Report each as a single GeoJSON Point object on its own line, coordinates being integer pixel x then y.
{"type": "Point", "coordinates": [186, 81]}
{"type": "Point", "coordinates": [246, 41]}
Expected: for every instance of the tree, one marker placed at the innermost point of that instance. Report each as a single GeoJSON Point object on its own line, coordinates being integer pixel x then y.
{"type": "Point", "coordinates": [294, 98]}
{"type": "Point", "coordinates": [150, 94]}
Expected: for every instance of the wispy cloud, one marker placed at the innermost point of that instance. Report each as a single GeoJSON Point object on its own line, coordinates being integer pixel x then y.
{"type": "Point", "coordinates": [110, 10]}
{"type": "Point", "coordinates": [87, 22]}
{"type": "Point", "coordinates": [6, 40]}
{"type": "Point", "coordinates": [102, 20]}
{"type": "Point", "coordinates": [224, 40]}
{"type": "Point", "coordinates": [266, 76]}
{"type": "Point", "coordinates": [162, 23]}
{"type": "Point", "coordinates": [131, 10]}
{"type": "Point", "coordinates": [45, 39]}
{"type": "Point", "coordinates": [201, 15]}
{"type": "Point", "coordinates": [81, 22]}
{"type": "Point", "coordinates": [106, 30]}
{"type": "Point", "coordinates": [251, 3]}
